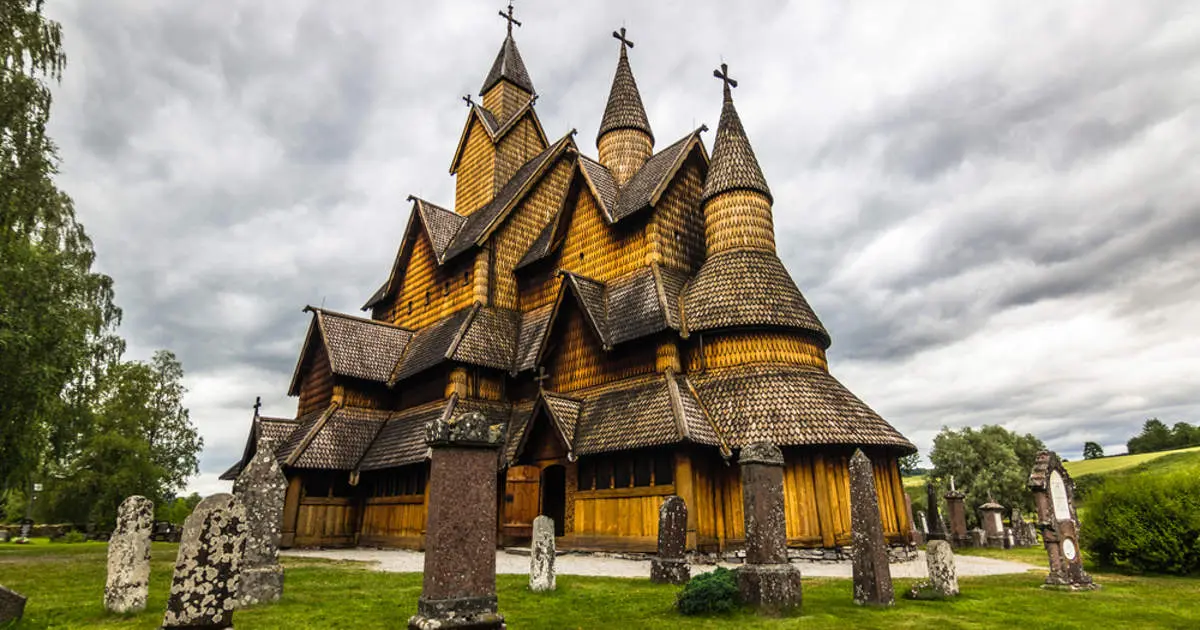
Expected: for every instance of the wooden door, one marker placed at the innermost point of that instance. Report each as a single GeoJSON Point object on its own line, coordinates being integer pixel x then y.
{"type": "Point", "coordinates": [522, 490]}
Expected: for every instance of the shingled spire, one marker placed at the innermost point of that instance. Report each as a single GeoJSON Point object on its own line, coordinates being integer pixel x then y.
{"type": "Point", "coordinates": [733, 165]}
{"type": "Point", "coordinates": [508, 65]}
{"type": "Point", "coordinates": [625, 141]}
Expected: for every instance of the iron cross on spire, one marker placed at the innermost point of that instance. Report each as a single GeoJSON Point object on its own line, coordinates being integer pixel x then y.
{"type": "Point", "coordinates": [257, 405]}
{"type": "Point", "coordinates": [621, 36]}
{"type": "Point", "coordinates": [541, 377]}
{"type": "Point", "coordinates": [509, 16]}
{"type": "Point", "coordinates": [470, 103]}
{"type": "Point", "coordinates": [723, 75]}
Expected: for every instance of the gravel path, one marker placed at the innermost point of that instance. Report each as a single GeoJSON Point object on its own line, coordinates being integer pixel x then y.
{"type": "Point", "coordinates": [405, 561]}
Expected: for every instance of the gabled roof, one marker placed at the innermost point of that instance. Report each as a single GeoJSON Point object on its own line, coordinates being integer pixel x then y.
{"type": "Point", "coordinates": [356, 347]}
{"type": "Point", "coordinates": [624, 109]}
{"type": "Point", "coordinates": [494, 127]}
{"type": "Point", "coordinates": [340, 440]}
{"type": "Point", "coordinates": [790, 405]}
{"type": "Point", "coordinates": [534, 325]}
{"type": "Point", "coordinates": [309, 424]}
{"type": "Point", "coordinates": [509, 66]}
{"type": "Point", "coordinates": [734, 166]}
{"type": "Point", "coordinates": [480, 335]}
{"type": "Point", "coordinates": [432, 344]}
{"type": "Point", "coordinates": [439, 225]}
{"type": "Point", "coordinates": [480, 223]}
{"type": "Point", "coordinates": [563, 413]}
{"type": "Point", "coordinates": [745, 287]}
{"type": "Point", "coordinates": [265, 432]}
{"type": "Point", "coordinates": [401, 441]}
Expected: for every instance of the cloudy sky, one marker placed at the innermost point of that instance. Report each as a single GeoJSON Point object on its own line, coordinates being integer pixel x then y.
{"type": "Point", "coordinates": [993, 206]}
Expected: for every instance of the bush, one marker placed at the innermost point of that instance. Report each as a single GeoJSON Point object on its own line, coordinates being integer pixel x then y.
{"type": "Point", "coordinates": [71, 537]}
{"type": "Point", "coordinates": [1147, 523]}
{"type": "Point", "coordinates": [709, 593]}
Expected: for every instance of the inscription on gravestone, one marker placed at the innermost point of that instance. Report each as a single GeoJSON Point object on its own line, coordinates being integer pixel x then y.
{"type": "Point", "coordinates": [1054, 493]}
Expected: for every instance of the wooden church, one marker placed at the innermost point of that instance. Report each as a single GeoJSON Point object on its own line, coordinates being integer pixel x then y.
{"type": "Point", "coordinates": [626, 316]}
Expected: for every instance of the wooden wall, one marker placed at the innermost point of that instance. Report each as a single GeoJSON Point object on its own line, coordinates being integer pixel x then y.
{"type": "Point", "coordinates": [675, 233]}
{"type": "Point", "coordinates": [433, 292]}
{"type": "Point", "coordinates": [394, 522]}
{"type": "Point", "coordinates": [325, 522]}
{"type": "Point", "coordinates": [522, 227]}
{"type": "Point", "coordinates": [504, 99]}
{"type": "Point", "coordinates": [755, 346]}
{"type": "Point", "coordinates": [474, 185]}
{"type": "Point", "coordinates": [519, 145]}
{"type": "Point", "coordinates": [316, 385]}
{"type": "Point", "coordinates": [578, 360]}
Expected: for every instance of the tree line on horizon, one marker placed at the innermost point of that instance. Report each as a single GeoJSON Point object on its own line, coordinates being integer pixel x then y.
{"type": "Point", "coordinates": [1155, 436]}
{"type": "Point", "coordinates": [77, 417]}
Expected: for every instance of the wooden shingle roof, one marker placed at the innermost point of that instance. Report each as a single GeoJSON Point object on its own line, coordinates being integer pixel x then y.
{"type": "Point", "coordinates": [340, 441]}
{"type": "Point", "coordinates": [510, 66]}
{"type": "Point", "coordinates": [401, 441]}
{"type": "Point", "coordinates": [361, 348]}
{"type": "Point", "coordinates": [733, 165]}
{"type": "Point", "coordinates": [624, 109]}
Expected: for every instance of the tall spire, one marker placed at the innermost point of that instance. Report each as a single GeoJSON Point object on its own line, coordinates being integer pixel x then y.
{"type": "Point", "coordinates": [508, 64]}
{"type": "Point", "coordinates": [733, 165]}
{"type": "Point", "coordinates": [624, 109]}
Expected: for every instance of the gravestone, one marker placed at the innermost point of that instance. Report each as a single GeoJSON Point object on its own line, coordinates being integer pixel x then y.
{"type": "Point", "coordinates": [129, 557]}
{"type": "Point", "coordinates": [943, 576]}
{"type": "Point", "coordinates": [541, 557]}
{"type": "Point", "coordinates": [924, 523]}
{"type": "Point", "coordinates": [12, 605]}
{"type": "Point", "coordinates": [1054, 494]}
{"type": "Point", "coordinates": [205, 585]}
{"type": "Point", "coordinates": [459, 588]}
{"type": "Point", "coordinates": [261, 487]}
{"type": "Point", "coordinates": [993, 522]}
{"type": "Point", "coordinates": [868, 552]}
{"type": "Point", "coordinates": [976, 538]}
{"type": "Point", "coordinates": [1018, 528]}
{"type": "Point", "coordinates": [766, 581]}
{"type": "Point", "coordinates": [1009, 541]}
{"type": "Point", "coordinates": [914, 535]}
{"type": "Point", "coordinates": [935, 529]}
{"type": "Point", "coordinates": [669, 566]}
{"type": "Point", "coordinates": [26, 528]}
{"type": "Point", "coordinates": [956, 513]}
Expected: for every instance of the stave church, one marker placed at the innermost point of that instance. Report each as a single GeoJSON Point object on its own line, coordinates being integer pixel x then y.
{"type": "Point", "coordinates": [627, 318]}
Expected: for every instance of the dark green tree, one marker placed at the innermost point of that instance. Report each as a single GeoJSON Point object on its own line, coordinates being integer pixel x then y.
{"type": "Point", "coordinates": [1092, 450]}
{"type": "Point", "coordinates": [910, 464]}
{"type": "Point", "coordinates": [990, 459]}
{"type": "Point", "coordinates": [1155, 436]}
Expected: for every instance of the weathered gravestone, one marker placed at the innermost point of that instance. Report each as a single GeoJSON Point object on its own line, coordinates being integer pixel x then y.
{"type": "Point", "coordinates": [943, 576]}
{"type": "Point", "coordinates": [1020, 532]}
{"type": "Point", "coordinates": [935, 529]}
{"type": "Point", "coordinates": [924, 523]}
{"type": "Point", "coordinates": [261, 487]}
{"type": "Point", "coordinates": [1054, 493]}
{"type": "Point", "coordinates": [12, 605]}
{"type": "Point", "coordinates": [766, 581]}
{"type": "Point", "coordinates": [976, 538]}
{"type": "Point", "coordinates": [868, 551]}
{"type": "Point", "coordinates": [26, 528]}
{"type": "Point", "coordinates": [129, 557]}
{"type": "Point", "coordinates": [459, 589]}
{"type": "Point", "coordinates": [669, 566]}
{"type": "Point", "coordinates": [205, 585]}
{"type": "Point", "coordinates": [956, 514]}
{"type": "Point", "coordinates": [993, 522]}
{"type": "Point", "coordinates": [915, 537]}
{"type": "Point", "coordinates": [541, 558]}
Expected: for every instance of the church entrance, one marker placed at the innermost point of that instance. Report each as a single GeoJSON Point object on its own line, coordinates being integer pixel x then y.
{"type": "Point", "coordinates": [554, 496]}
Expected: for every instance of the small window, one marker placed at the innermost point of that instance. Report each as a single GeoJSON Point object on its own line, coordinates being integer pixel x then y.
{"type": "Point", "coordinates": [664, 469]}
{"type": "Point", "coordinates": [581, 256]}
{"type": "Point", "coordinates": [604, 474]}
{"type": "Point", "coordinates": [316, 486]}
{"type": "Point", "coordinates": [426, 297]}
{"type": "Point", "coordinates": [446, 289]}
{"type": "Point", "coordinates": [466, 277]}
{"type": "Point", "coordinates": [587, 475]}
{"type": "Point", "coordinates": [676, 236]}
{"type": "Point", "coordinates": [623, 473]}
{"type": "Point", "coordinates": [642, 468]}
{"type": "Point", "coordinates": [410, 307]}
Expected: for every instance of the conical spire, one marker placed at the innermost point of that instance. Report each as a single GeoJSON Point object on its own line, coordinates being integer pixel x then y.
{"type": "Point", "coordinates": [624, 109]}
{"type": "Point", "coordinates": [508, 64]}
{"type": "Point", "coordinates": [733, 165]}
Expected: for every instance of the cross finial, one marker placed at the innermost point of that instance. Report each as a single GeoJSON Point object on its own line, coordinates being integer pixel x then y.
{"type": "Point", "coordinates": [621, 36]}
{"type": "Point", "coordinates": [542, 376]}
{"type": "Point", "coordinates": [257, 405]}
{"type": "Point", "coordinates": [470, 103]}
{"type": "Point", "coordinates": [509, 16]}
{"type": "Point", "coordinates": [723, 75]}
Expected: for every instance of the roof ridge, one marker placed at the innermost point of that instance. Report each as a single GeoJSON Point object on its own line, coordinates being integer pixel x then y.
{"type": "Point", "coordinates": [725, 451]}
{"type": "Point", "coordinates": [366, 320]}
{"type": "Point", "coordinates": [312, 434]}
{"type": "Point", "coordinates": [676, 404]}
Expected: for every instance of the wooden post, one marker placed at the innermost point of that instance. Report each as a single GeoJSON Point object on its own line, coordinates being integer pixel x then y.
{"type": "Point", "coordinates": [291, 509]}
{"type": "Point", "coordinates": [685, 488]}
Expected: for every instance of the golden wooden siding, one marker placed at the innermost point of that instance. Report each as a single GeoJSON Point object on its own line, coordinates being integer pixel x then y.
{"type": "Point", "coordinates": [522, 227]}
{"type": "Point", "coordinates": [628, 512]}
{"type": "Point", "coordinates": [742, 347]}
{"type": "Point", "coordinates": [428, 292]}
{"type": "Point", "coordinates": [675, 233]}
{"type": "Point", "coordinates": [739, 219]}
{"type": "Point", "coordinates": [325, 522]}
{"type": "Point", "coordinates": [577, 359]}
{"type": "Point", "coordinates": [519, 145]}
{"type": "Point", "coordinates": [504, 99]}
{"type": "Point", "coordinates": [316, 386]}
{"type": "Point", "coordinates": [591, 248]}
{"type": "Point", "coordinates": [471, 382]}
{"type": "Point", "coordinates": [624, 151]}
{"type": "Point", "coordinates": [363, 395]}
{"type": "Point", "coordinates": [474, 183]}
{"type": "Point", "coordinates": [481, 289]}
{"type": "Point", "coordinates": [394, 521]}
{"type": "Point", "coordinates": [667, 355]}
{"type": "Point", "coordinates": [522, 486]}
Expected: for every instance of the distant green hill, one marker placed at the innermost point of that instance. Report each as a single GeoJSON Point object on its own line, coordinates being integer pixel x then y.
{"type": "Point", "coordinates": [1182, 458]}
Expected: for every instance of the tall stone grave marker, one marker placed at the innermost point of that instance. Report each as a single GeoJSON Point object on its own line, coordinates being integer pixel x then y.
{"type": "Point", "coordinates": [915, 537]}
{"type": "Point", "coordinates": [868, 551]}
{"type": "Point", "coordinates": [935, 529]}
{"type": "Point", "coordinates": [12, 605]}
{"type": "Point", "coordinates": [1054, 493]}
{"type": "Point", "coordinates": [261, 487]}
{"type": "Point", "coordinates": [541, 556]}
{"type": "Point", "coordinates": [767, 581]}
{"type": "Point", "coordinates": [956, 513]}
{"type": "Point", "coordinates": [129, 557]}
{"type": "Point", "coordinates": [459, 589]}
{"type": "Point", "coordinates": [205, 586]}
{"type": "Point", "coordinates": [943, 576]}
{"type": "Point", "coordinates": [993, 522]}
{"type": "Point", "coordinates": [669, 566]}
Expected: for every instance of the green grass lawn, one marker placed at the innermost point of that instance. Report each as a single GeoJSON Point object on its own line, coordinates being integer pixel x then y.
{"type": "Point", "coordinates": [65, 584]}
{"type": "Point", "coordinates": [1105, 465]}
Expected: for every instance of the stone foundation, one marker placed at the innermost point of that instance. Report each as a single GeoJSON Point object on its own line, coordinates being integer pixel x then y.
{"type": "Point", "coordinates": [772, 588]}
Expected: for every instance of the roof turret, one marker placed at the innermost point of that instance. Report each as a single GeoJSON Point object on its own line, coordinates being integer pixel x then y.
{"type": "Point", "coordinates": [508, 64]}
{"type": "Point", "coordinates": [733, 165]}
{"type": "Point", "coordinates": [624, 109]}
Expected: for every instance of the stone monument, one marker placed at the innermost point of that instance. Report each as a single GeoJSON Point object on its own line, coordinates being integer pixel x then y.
{"type": "Point", "coordinates": [868, 552]}
{"type": "Point", "coordinates": [205, 585]}
{"type": "Point", "coordinates": [261, 487]}
{"type": "Point", "coordinates": [767, 581]}
{"type": "Point", "coordinates": [935, 529]}
{"type": "Point", "coordinates": [459, 589]}
{"type": "Point", "coordinates": [1054, 494]}
{"type": "Point", "coordinates": [956, 513]}
{"type": "Point", "coordinates": [541, 556]}
{"type": "Point", "coordinates": [669, 566]}
{"type": "Point", "coordinates": [993, 522]}
{"type": "Point", "coordinates": [12, 605]}
{"type": "Point", "coordinates": [915, 537]}
{"type": "Point", "coordinates": [943, 576]}
{"type": "Point", "coordinates": [128, 582]}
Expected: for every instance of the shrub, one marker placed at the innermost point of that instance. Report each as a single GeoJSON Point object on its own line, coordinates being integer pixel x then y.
{"type": "Point", "coordinates": [709, 593]}
{"type": "Point", "coordinates": [1147, 523]}
{"type": "Point", "coordinates": [71, 537]}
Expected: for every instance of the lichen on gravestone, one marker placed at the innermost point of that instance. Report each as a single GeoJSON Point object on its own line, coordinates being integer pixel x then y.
{"type": "Point", "coordinates": [128, 582]}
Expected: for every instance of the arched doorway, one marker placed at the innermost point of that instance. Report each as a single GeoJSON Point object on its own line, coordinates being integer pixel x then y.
{"type": "Point", "coordinates": [554, 496]}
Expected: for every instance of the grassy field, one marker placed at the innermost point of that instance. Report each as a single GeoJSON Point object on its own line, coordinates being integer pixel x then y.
{"type": "Point", "coordinates": [1106, 465]}
{"type": "Point", "coordinates": [65, 584]}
